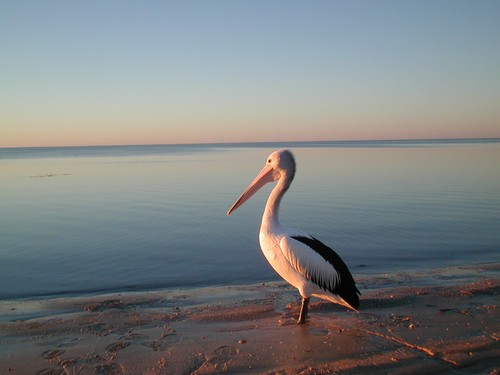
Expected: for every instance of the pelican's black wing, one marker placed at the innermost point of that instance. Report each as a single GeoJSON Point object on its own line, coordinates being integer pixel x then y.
{"type": "Point", "coordinates": [340, 280]}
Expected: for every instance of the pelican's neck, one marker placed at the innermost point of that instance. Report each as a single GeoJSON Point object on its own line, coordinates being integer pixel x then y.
{"type": "Point", "coordinates": [270, 219]}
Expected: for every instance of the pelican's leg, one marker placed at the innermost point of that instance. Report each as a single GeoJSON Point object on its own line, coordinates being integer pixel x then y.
{"type": "Point", "coordinates": [303, 310]}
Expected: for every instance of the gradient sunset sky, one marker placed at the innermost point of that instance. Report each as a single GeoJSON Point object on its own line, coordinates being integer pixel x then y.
{"type": "Point", "coordinates": [142, 72]}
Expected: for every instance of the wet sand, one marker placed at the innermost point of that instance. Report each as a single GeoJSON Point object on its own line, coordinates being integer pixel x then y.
{"type": "Point", "coordinates": [440, 321]}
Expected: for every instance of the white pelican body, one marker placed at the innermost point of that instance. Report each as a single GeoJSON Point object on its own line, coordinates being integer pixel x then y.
{"type": "Point", "coordinates": [303, 261]}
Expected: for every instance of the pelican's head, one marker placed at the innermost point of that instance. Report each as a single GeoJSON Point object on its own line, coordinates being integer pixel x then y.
{"type": "Point", "coordinates": [279, 164]}
{"type": "Point", "coordinates": [282, 162]}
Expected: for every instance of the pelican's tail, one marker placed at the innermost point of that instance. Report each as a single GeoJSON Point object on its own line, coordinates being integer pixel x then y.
{"type": "Point", "coordinates": [336, 299]}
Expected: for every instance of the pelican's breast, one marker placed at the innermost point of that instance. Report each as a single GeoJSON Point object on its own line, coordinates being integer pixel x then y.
{"type": "Point", "coordinates": [270, 245]}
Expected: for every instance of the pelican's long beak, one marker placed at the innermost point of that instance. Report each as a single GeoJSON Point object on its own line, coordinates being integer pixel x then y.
{"type": "Point", "coordinates": [266, 175]}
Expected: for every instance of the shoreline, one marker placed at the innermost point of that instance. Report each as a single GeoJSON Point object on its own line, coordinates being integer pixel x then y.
{"type": "Point", "coordinates": [20, 307]}
{"type": "Point", "coordinates": [428, 321]}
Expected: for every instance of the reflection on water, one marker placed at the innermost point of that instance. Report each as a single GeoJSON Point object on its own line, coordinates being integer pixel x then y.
{"type": "Point", "coordinates": [122, 220]}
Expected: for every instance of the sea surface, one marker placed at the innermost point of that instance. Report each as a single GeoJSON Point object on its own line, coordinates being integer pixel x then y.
{"type": "Point", "coordinates": [88, 220]}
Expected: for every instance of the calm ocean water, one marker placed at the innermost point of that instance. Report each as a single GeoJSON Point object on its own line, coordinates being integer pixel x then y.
{"type": "Point", "coordinates": [82, 220]}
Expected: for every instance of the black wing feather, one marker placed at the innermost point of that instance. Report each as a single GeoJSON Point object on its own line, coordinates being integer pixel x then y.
{"type": "Point", "coordinates": [346, 287]}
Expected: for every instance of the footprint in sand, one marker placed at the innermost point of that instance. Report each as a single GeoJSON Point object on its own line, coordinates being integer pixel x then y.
{"type": "Point", "coordinates": [68, 363]}
{"type": "Point", "coordinates": [223, 354]}
{"type": "Point", "coordinates": [51, 354]}
{"type": "Point", "coordinates": [117, 346]}
{"type": "Point", "coordinates": [218, 363]}
{"type": "Point", "coordinates": [164, 342]}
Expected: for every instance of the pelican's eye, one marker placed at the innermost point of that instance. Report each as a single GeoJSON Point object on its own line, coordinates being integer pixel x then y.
{"type": "Point", "coordinates": [269, 161]}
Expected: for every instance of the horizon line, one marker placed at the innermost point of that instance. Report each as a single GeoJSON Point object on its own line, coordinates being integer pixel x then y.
{"type": "Point", "coordinates": [268, 142]}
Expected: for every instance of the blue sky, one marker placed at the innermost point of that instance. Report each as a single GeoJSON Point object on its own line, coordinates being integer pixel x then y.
{"type": "Point", "coordinates": [139, 72]}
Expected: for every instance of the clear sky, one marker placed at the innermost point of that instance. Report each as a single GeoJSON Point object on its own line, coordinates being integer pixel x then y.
{"type": "Point", "coordinates": [139, 72]}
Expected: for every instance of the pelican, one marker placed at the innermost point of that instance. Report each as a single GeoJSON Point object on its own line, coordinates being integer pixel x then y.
{"type": "Point", "coordinates": [300, 259]}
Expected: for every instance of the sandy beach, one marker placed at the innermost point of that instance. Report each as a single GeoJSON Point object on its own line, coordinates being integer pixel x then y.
{"type": "Point", "coordinates": [440, 321]}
